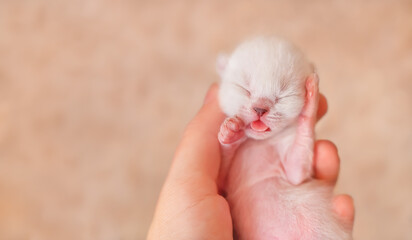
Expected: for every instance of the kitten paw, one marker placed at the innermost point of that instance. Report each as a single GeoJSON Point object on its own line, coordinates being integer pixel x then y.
{"type": "Point", "coordinates": [298, 176]}
{"type": "Point", "coordinates": [231, 130]}
{"type": "Point", "coordinates": [312, 99]}
{"type": "Point", "coordinates": [299, 162]}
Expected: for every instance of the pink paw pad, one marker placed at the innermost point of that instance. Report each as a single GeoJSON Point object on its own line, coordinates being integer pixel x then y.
{"type": "Point", "coordinates": [231, 130]}
{"type": "Point", "coordinates": [312, 98]}
{"type": "Point", "coordinates": [312, 87]}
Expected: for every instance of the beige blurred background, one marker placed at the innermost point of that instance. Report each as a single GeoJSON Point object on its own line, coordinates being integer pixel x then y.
{"type": "Point", "coordinates": [94, 96]}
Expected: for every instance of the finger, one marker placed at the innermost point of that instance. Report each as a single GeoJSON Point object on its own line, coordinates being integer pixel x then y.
{"type": "Point", "coordinates": [344, 207]}
{"type": "Point", "coordinates": [323, 107]}
{"type": "Point", "coordinates": [326, 161]}
{"type": "Point", "coordinates": [199, 150]}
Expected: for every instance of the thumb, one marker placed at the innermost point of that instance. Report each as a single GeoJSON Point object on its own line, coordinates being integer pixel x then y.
{"type": "Point", "coordinates": [199, 150]}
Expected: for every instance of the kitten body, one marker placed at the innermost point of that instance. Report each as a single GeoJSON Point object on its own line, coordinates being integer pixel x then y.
{"type": "Point", "coordinates": [270, 95]}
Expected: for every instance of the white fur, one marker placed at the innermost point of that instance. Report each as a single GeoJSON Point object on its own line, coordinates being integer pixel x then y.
{"type": "Point", "coordinates": [271, 73]}
{"type": "Point", "coordinates": [269, 68]}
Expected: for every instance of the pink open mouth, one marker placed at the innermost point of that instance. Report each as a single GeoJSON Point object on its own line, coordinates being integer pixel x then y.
{"type": "Point", "coordinates": [259, 126]}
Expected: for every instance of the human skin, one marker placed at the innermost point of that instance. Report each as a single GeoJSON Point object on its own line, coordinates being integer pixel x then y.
{"type": "Point", "coordinates": [190, 206]}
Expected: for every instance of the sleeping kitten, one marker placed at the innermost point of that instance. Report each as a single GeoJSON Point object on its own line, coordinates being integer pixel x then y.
{"type": "Point", "coordinates": [269, 92]}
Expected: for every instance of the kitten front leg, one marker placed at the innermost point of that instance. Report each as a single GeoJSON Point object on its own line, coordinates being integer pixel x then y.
{"type": "Point", "coordinates": [230, 136]}
{"type": "Point", "coordinates": [299, 158]}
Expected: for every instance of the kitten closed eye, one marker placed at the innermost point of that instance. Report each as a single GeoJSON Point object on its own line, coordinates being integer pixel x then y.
{"type": "Point", "coordinates": [247, 92]}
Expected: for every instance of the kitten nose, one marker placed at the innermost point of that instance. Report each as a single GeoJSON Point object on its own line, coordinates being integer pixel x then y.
{"type": "Point", "coordinates": [260, 111]}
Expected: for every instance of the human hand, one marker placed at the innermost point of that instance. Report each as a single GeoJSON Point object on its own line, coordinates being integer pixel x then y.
{"type": "Point", "coordinates": [190, 206]}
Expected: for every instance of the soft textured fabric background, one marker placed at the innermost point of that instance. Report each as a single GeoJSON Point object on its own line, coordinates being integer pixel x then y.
{"type": "Point", "coordinates": [94, 96]}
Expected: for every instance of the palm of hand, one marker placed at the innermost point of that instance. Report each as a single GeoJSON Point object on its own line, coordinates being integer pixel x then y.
{"type": "Point", "coordinates": [190, 206]}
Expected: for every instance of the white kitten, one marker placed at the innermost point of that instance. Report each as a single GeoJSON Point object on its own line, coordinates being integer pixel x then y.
{"type": "Point", "coordinates": [270, 94]}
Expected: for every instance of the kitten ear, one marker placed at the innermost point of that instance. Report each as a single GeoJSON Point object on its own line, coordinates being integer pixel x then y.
{"type": "Point", "coordinates": [221, 64]}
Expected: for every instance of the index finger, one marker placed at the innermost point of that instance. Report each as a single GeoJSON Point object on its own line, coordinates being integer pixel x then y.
{"type": "Point", "coordinates": [326, 161]}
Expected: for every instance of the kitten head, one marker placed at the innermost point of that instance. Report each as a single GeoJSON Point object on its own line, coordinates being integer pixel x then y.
{"type": "Point", "coordinates": [263, 83]}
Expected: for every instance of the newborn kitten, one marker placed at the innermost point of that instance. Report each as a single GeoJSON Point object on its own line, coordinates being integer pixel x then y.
{"type": "Point", "coordinates": [270, 94]}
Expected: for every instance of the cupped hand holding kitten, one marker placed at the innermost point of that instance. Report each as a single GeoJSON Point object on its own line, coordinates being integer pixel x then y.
{"type": "Point", "coordinates": [190, 206]}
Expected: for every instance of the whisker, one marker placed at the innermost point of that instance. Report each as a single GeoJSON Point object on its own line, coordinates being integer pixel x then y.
{"type": "Point", "coordinates": [273, 118]}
